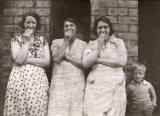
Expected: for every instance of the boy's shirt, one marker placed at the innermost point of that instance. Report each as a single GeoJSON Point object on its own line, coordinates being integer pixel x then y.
{"type": "Point", "coordinates": [141, 97]}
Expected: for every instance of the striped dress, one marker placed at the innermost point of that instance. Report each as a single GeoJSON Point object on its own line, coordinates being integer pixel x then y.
{"type": "Point", "coordinates": [105, 88]}
{"type": "Point", "coordinates": [68, 82]}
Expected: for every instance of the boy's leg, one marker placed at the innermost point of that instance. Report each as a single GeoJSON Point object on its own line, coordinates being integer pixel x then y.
{"type": "Point", "coordinates": [148, 112]}
{"type": "Point", "coordinates": [135, 113]}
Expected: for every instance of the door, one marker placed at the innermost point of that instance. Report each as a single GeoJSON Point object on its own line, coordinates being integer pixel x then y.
{"type": "Point", "coordinates": [77, 9]}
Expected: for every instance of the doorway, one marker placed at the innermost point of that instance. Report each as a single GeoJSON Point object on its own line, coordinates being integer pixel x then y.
{"type": "Point", "coordinates": [77, 9]}
{"type": "Point", "coordinates": [149, 41]}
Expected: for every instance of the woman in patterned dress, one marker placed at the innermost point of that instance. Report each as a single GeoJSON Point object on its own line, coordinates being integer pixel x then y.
{"type": "Point", "coordinates": [105, 87]}
{"type": "Point", "coordinates": [27, 89]}
{"type": "Point", "coordinates": [68, 83]}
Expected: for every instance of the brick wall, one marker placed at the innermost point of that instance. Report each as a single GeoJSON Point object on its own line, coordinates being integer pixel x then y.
{"type": "Point", "coordinates": [1, 57]}
{"type": "Point", "coordinates": [124, 16]}
{"type": "Point", "coordinates": [1, 28]}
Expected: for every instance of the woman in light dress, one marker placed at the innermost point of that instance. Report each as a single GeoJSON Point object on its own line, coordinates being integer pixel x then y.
{"type": "Point", "coordinates": [105, 87]}
{"type": "Point", "coordinates": [68, 81]}
{"type": "Point", "coordinates": [27, 89]}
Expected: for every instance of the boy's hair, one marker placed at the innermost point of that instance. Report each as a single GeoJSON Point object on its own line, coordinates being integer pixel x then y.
{"type": "Point", "coordinates": [138, 66]}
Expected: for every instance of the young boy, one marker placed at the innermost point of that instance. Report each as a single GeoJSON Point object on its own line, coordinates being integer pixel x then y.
{"type": "Point", "coordinates": [140, 93]}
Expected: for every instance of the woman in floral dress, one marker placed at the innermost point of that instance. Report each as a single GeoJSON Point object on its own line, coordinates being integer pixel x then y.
{"type": "Point", "coordinates": [68, 82]}
{"type": "Point", "coordinates": [27, 89]}
{"type": "Point", "coordinates": [105, 88]}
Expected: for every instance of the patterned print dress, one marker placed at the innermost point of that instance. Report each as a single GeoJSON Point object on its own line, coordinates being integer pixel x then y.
{"type": "Point", "coordinates": [27, 89]}
{"type": "Point", "coordinates": [105, 88]}
{"type": "Point", "coordinates": [68, 83]}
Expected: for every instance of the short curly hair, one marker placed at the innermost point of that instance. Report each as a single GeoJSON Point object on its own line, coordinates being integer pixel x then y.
{"type": "Point", "coordinates": [138, 66]}
{"type": "Point", "coordinates": [35, 15]}
{"type": "Point", "coordinates": [79, 33]}
{"type": "Point", "coordinates": [70, 19]}
{"type": "Point", "coordinates": [104, 19]}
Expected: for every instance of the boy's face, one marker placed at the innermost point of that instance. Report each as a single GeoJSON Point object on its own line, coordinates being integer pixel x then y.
{"type": "Point", "coordinates": [138, 75]}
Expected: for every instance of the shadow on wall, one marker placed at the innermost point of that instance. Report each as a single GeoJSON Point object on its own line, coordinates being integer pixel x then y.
{"type": "Point", "coordinates": [5, 66]}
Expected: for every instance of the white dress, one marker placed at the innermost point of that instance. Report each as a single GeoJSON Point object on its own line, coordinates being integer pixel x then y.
{"type": "Point", "coordinates": [105, 88]}
{"type": "Point", "coordinates": [68, 83]}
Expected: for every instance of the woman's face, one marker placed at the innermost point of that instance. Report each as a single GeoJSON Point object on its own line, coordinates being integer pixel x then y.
{"type": "Point", "coordinates": [70, 28]}
{"type": "Point", "coordinates": [30, 23]}
{"type": "Point", "coordinates": [103, 28]}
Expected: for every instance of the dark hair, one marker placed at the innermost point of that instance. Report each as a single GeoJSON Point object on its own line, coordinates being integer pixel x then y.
{"type": "Point", "coordinates": [79, 32]}
{"type": "Point", "coordinates": [73, 21]}
{"type": "Point", "coordinates": [104, 19]}
{"type": "Point", "coordinates": [35, 15]}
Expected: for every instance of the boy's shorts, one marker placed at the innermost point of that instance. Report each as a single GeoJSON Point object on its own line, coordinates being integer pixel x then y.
{"type": "Point", "coordinates": [142, 113]}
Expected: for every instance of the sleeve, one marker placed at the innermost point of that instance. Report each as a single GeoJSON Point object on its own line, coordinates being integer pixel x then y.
{"type": "Point", "coordinates": [15, 46]}
{"type": "Point", "coordinates": [54, 47]}
{"type": "Point", "coordinates": [89, 54]}
{"type": "Point", "coordinates": [84, 46]}
{"type": "Point", "coordinates": [152, 94]}
{"type": "Point", "coordinates": [90, 47]}
{"type": "Point", "coordinates": [78, 50]}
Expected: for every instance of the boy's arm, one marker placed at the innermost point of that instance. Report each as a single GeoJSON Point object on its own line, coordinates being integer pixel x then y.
{"type": "Point", "coordinates": [153, 95]}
